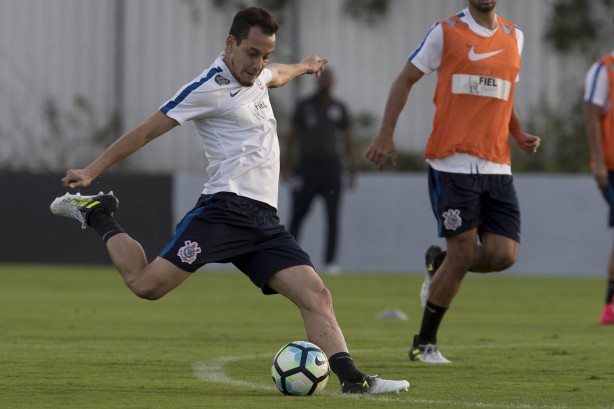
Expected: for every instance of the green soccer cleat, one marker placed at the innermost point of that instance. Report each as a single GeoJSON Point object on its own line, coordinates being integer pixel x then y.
{"type": "Point", "coordinates": [80, 207]}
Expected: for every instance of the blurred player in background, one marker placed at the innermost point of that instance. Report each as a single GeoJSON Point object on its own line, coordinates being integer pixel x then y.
{"type": "Point", "coordinates": [599, 106]}
{"type": "Point", "coordinates": [476, 54]}
{"type": "Point", "coordinates": [235, 219]}
{"type": "Point", "coordinates": [317, 123]}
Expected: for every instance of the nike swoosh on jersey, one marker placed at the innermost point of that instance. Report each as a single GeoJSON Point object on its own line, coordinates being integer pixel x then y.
{"type": "Point", "coordinates": [473, 56]}
{"type": "Point", "coordinates": [233, 95]}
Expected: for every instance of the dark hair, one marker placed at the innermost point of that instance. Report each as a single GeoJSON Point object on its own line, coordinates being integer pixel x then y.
{"type": "Point", "coordinates": [247, 18]}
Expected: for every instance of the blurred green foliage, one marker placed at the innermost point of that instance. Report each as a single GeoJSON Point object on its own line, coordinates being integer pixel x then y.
{"type": "Point", "coordinates": [577, 30]}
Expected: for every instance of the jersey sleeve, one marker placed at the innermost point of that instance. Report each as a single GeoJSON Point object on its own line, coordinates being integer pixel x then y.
{"type": "Point", "coordinates": [266, 75]}
{"type": "Point", "coordinates": [193, 100]}
{"type": "Point", "coordinates": [596, 85]}
{"type": "Point", "coordinates": [427, 57]}
{"type": "Point", "coordinates": [520, 42]}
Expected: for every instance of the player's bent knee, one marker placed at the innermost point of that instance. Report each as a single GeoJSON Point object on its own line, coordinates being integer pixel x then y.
{"type": "Point", "coordinates": [320, 298]}
{"type": "Point", "coordinates": [504, 261]}
{"type": "Point", "coordinates": [145, 290]}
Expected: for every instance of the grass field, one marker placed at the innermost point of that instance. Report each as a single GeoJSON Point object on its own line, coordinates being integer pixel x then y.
{"type": "Point", "coordinates": [75, 337]}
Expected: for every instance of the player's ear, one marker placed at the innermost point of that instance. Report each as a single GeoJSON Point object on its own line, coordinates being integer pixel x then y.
{"type": "Point", "coordinates": [231, 41]}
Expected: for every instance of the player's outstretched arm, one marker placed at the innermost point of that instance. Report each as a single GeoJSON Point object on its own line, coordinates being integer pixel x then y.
{"type": "Point", "coordinates": [154, 126]}
{"type": "Point", "coordinates": [284, 73]}
{"type": "Point", "coordinates": [383, 145]}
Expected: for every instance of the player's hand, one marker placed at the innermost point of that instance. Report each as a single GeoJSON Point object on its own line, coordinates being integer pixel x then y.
{"type": "Point", "coordinates": [600, 173]}
{"type": "Point", "coordinates": [314, 64]}
{"type": "Point", "coordinates": [528, 143]}
{"type": "Point", "coordinates": [76, 178]}
{"type": "Point", "coordinates": [381, 148]}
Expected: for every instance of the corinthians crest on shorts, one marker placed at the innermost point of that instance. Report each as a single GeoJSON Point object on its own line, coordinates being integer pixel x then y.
{"type": "Point", "coordinates": [189, 252]}
{"type": "Point", "coordinates": [452, 219]}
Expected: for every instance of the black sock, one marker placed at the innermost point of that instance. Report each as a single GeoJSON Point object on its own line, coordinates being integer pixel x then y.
{"type": "Point", "coordinates": [431, 319]}
{"type": "Point", "coordinates": [610, 293]}
{"type": "Point", "coordinates": [343, 366]}
{"type": "Point", "coordinates": [104, 224]}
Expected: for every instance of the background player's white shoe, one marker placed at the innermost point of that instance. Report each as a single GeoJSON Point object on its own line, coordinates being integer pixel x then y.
{"type": "Point", "coordinates": [427, 353]}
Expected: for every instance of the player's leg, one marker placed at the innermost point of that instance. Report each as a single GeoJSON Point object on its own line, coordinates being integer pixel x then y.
{"type": "Point", "coordinates": [150, 281]}
{"type": "Point", "coordinates": [495, 253]}
{"type": "Point", "coordinates": [331, 192]}
{"type": "Point", "coordinates": [461, 251]}
{"type": "Point", "coordinates": [303, 193]}
{"type": "Point", "coordinates": [456, 204]}
{"type": "Point", "coordinates": [500, 226]}
{"type": "Point", "coordinates": [302, 285]}
{"type": "Point", "coordinates": [444, 285]}
{"type": "Point", "coordinates": [146, 280]}
{"type": "Point", "coordinates": [607, 313]}
{"type": "Point", "coordinates": [610, 291]}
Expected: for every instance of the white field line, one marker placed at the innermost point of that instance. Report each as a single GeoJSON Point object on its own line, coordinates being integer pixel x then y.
{"type": "Point", "coordinates": [214, 371]}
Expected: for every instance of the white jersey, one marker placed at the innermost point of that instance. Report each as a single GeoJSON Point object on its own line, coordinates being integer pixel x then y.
{"type": "Point", "coordinates": [238, 131]}
{"type": "Point", "coordinates": [427, 58]}
{"type": "Point", "coordinates": [597, 85]}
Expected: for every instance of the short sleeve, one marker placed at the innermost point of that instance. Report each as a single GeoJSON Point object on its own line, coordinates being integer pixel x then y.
{"type": "Point", "coordinates": [266, 75]}
{"type": "Point", "coordinates": [193, 100]}
{"type": "Point", "coordinates": [596, 85]}
{"type": "Point", "coordinates": [427, 57]}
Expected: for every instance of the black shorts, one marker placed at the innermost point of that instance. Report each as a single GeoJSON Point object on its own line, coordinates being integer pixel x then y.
{"type": "Point", "coordinates": [608, 194]}
{"type": "Point", "coordinates": [227, 228]}
{"type": "Point", "coordinates": [462, 202]}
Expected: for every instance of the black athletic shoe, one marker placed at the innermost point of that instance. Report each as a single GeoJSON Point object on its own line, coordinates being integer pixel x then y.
{"type": "Point", "coordinates": [432, 258]}
{"type": "Point", "coordinates": [79, 207]}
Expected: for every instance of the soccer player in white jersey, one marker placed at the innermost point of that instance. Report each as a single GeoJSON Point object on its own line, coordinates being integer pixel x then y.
{"type": "Point", "coordinates": [599, 107]}
{"type": "Point", "coordinates": [476, 54]}
{"type": "Point", "coordinates": [235, 218]}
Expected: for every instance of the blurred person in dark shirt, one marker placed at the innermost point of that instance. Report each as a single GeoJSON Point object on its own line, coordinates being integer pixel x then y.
{"type": "Point", "coordinates": [319, 123]}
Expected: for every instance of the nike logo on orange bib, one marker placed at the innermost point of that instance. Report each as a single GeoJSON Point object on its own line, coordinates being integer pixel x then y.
{"type": "Point", "coordinates": [473, 56]}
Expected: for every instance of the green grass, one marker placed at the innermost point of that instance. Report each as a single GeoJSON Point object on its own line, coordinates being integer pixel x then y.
{"type": "Point", "coordinates": [75, 337]}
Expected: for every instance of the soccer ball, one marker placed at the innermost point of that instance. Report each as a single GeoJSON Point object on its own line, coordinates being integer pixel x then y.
{"type": "Point", "coordinates": [300, 368]}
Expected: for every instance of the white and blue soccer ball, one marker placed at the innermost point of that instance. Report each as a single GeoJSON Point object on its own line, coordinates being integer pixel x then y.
{"type": "Point", "coordinates": [300, 368]}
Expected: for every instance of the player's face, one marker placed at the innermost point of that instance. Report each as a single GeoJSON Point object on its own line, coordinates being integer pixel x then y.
{"type": "Point", "coordinates": [247, 60]}
{"type": "Point", "coordinates": [483, 5]}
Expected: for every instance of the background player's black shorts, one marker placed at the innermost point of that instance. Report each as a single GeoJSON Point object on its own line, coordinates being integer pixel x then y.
{"type": "Point", "coordinates": [608, 194]}
{"type": "Point", "coordinates": [462, 202]}
{"type": "Point", "coordinates": [227, 228]}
